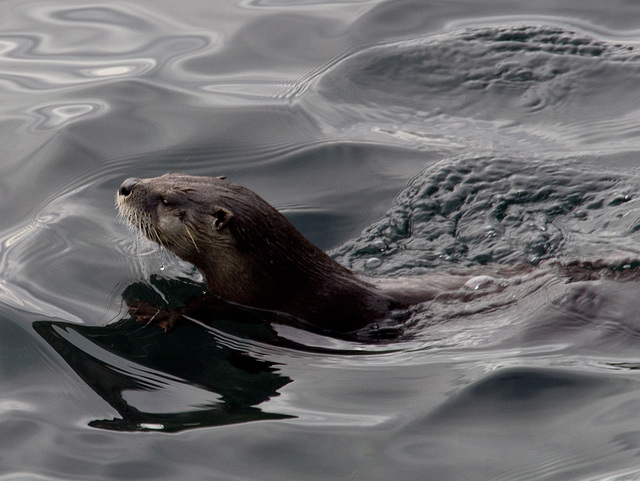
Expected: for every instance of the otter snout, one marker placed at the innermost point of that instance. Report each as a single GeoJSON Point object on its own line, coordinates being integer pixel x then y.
{"type": "Point", "coordinates": [127, 185]}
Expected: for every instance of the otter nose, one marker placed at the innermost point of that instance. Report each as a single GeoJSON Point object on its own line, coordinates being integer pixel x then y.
{"type": "Point", "coordinates": [127, 185]}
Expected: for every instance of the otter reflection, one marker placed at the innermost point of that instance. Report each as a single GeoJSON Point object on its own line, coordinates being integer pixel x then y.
{"type": "Point", "coordinates": [169, 383]}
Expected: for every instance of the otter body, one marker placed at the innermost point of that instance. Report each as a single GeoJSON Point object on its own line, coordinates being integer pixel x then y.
{"type": "Point", "coordinates": [249, 253]}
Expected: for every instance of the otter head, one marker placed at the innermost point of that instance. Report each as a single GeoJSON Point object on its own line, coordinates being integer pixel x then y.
{"type": "Point", "coordinates": [187, 215]}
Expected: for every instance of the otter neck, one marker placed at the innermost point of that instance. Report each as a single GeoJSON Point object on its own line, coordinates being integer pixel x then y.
{"type": "Point", "coordinates": [317, 290]}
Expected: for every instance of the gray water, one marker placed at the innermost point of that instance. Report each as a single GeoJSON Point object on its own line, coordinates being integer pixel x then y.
{"type": "Point", "coordinates": [404, 138]}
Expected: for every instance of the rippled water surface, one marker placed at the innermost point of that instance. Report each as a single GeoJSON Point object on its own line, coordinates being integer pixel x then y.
{"type": "Point", "coordinates": [403, 137]}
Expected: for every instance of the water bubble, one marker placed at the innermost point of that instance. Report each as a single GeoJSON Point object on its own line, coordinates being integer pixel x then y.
{"type": "Point", "coordinates": [373, 263]}
{"type": "Point", "coordinates": [479, 282]}
{"type": "Point", "coordinates": [489, 231]}
{"type": "Point", "coordinates": [379, 245]}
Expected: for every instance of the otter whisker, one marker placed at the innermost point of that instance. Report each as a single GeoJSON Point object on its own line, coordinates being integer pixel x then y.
{"type": "Point", "coordinates": [192, 239]}
{"type": "Point", "coordinates": [153, 234]}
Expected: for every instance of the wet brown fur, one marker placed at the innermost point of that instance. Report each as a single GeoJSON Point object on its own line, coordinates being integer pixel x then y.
{"type": "Point", "coordinates": [248, 252]}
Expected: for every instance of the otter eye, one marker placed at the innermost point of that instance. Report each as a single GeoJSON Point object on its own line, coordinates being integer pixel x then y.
{"type": "Point", "coordinates": [166, 202]}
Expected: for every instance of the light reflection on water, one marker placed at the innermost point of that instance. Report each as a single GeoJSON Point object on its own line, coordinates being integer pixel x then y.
{"type": "Point", "coordinates": [425, 136]}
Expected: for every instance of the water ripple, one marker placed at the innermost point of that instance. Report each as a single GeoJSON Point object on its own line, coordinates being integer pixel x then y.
{"type": "Point", "coordinates": [53, 116]}
{"type": "Point", "coordinates": [74, 45]}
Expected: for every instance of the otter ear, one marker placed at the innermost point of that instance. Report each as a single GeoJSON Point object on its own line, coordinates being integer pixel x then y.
{"type": "Point", "coordinates": [222, 217]}
{"type": "Point", "coordinates": [221, 177]}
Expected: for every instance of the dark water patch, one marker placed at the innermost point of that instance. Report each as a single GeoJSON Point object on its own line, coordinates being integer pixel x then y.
{"type": "Point", "coordinates": [479, 210]}
{"type": "Point", "coordinates": [527, 393]}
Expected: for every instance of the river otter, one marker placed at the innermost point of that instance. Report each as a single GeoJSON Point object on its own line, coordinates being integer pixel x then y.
{"type": "Point", "coordinates": [250, 254]}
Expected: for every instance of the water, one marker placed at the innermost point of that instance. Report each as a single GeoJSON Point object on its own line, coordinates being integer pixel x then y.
{"type": "Point", "coordinates": [402, 137]}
